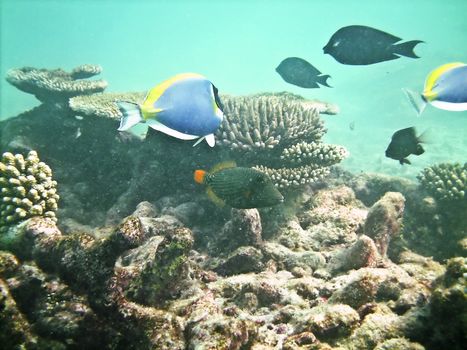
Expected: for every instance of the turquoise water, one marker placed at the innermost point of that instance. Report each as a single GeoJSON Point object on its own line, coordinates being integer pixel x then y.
{"type": "Point", "coordinates": [238, 44]}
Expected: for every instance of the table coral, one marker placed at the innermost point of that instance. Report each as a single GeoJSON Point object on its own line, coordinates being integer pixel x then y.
{"type": "Point", "coordinates": [56, 85]}
{"type": "Point", "coordinates": [27, 189]}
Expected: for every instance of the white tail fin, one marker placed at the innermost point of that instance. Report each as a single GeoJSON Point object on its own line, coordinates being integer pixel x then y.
{"type": "Point", "coordinates": [416, 100]}
{"type": "Point", "coordinates": [131, 115]}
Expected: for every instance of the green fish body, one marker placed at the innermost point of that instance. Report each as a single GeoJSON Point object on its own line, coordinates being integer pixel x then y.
{"type": "Point", "coordinates": [241, 188]}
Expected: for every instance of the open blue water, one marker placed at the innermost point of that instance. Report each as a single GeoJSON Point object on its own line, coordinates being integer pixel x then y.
{"type": "Point", "coordinates": [238, 44]}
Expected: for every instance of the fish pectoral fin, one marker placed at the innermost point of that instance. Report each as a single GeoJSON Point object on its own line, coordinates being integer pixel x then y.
{"type": "Point", "coordinates": [210, 140]}
{"type": "Point", "coordinates": [404, 161]}
{"type": "Point", "coordinates": [214, 198]}
{"type": "Point", "coordinates": [199, 140]}
{"type": "Point", "coordinates": [154, 124]}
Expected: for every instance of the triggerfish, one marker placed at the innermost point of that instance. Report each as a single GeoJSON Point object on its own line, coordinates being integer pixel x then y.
{"type": "Point", "coordinates": [361, 45]}
{"type": "Point", "coordinates": [297, 71]}
{"type": "Point", "coordinates": [186, 106]}
{"type": "Point", "coordinates": [445, 88]}
{"type": "Point", "coordinates": [238, 187]}
{"type": "Point", "coordinates": [405, 142]}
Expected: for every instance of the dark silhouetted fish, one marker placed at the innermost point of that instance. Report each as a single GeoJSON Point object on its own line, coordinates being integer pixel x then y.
{"type": "Point", "coordinates": [241, 188]}
{"type": "Point", "coordinates": [360, 45]}
{"type": "Point", "coordinates": [297, 71]}
{"type": "Point", "coordinates": [404, 142]}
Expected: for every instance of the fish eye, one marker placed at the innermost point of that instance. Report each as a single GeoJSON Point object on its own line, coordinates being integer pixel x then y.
{"type": "Point", "coordinates": [336, 43]}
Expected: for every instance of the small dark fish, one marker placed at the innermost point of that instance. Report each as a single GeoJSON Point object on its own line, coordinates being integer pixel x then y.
{"type": "Point", "coordinates": [352, 126]}
{"type": "Point", "coordinates": [299, 72]}
{"type": "Point", "coordinates": [404, 142]}
{"type": "Point", "coordinates": [241, 188]}
{"type": "Point", "coordinates": [361, 45]}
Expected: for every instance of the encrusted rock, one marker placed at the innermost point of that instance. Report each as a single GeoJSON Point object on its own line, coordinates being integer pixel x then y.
{"type": "Point", "coordinates": [363, 253]}
{"type": "Point", "coordinates": [242, 260]}
{"type": "Point", "coordinates": [384, 220]}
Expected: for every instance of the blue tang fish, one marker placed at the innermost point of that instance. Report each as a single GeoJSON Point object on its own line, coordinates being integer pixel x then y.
{"type": "Point", "coordinates": [445, 88]}
{"type": "Point", "coordinates": [186, 106]}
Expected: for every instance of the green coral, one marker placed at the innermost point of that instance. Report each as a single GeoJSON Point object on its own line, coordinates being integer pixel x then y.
{"type": "Point", "coordinates": [446, 182]}
{"type": "Point", "coordinates": [27, 189]}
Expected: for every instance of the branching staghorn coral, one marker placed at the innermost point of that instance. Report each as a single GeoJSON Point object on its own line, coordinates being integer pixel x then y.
{"type": "Point", "coordinates": [263, 121]}
{"type": "Point", "coordinates": [446, 182]}
{"type": "Point", "coordinates": [56, 86]}
{"type": "Point", "coordinates": [26, 189]}
{"type": "Point", "coordinates": [280, 135]}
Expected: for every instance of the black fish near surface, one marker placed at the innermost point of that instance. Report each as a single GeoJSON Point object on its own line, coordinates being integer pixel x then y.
{"type": "Point", "coordinates": [297, 71]}
{"type": "Point", "coordinates": [241, 188]}
{"type": "Point", "coordinates": [361, 45]}
{"type": "Point", "coordinates": [403, 143]}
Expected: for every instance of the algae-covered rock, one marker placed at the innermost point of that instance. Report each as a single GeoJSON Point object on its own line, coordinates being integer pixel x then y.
{"type": "Point", "coordinates": [384, 220]}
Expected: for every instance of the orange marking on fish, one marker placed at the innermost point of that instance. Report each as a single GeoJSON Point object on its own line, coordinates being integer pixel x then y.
{"type": "Point", "coordinates": [199, 176]}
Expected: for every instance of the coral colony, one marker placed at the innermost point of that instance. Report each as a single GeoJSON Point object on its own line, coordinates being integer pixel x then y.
{"type": "Point", "coordinates": [134, 257]}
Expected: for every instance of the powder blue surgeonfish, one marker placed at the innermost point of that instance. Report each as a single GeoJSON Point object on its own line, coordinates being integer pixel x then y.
{"type": "Point", "coordinates": [186, 106]}
{"type": "Point", "coordinates": [445, 88]}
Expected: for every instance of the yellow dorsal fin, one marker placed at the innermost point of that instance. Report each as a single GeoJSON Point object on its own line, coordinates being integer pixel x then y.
{"type": "Point", "coordinates": [212, 196]}
{"type": "Point", "coordinates": [434, 76]}
{"type": "Point", "coordinates": [158, 90]}
{"type": "Point", "coordinates": [223, 165]}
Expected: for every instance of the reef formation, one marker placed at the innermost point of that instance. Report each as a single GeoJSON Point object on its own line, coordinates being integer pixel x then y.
{"type": "Point", "coordinates": [26, 189]}
{"type": "Point", "coordinates": [140, 259]}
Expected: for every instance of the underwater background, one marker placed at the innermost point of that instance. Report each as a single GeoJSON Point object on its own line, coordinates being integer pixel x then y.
{"type": "Point", "coordinates": [238, 44]}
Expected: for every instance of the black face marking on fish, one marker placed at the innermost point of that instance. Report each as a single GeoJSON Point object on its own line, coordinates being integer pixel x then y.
{"type": "Point", "coordinates": [217, 98]}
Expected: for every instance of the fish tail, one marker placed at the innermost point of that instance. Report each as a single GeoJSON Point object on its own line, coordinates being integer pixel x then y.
{"type": "Point", "coordinates": [406, 49]}
{"type": "Point", "coordinates": [131, 115]}
{"type": "Point", "coordinates": [322, 80]}
{"type": "Point", "coordinates": [426, 136]}
{"type": "Point", "coordinates": [199, 176]}
{"type": "Point", "coordinates": [416, 100]}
